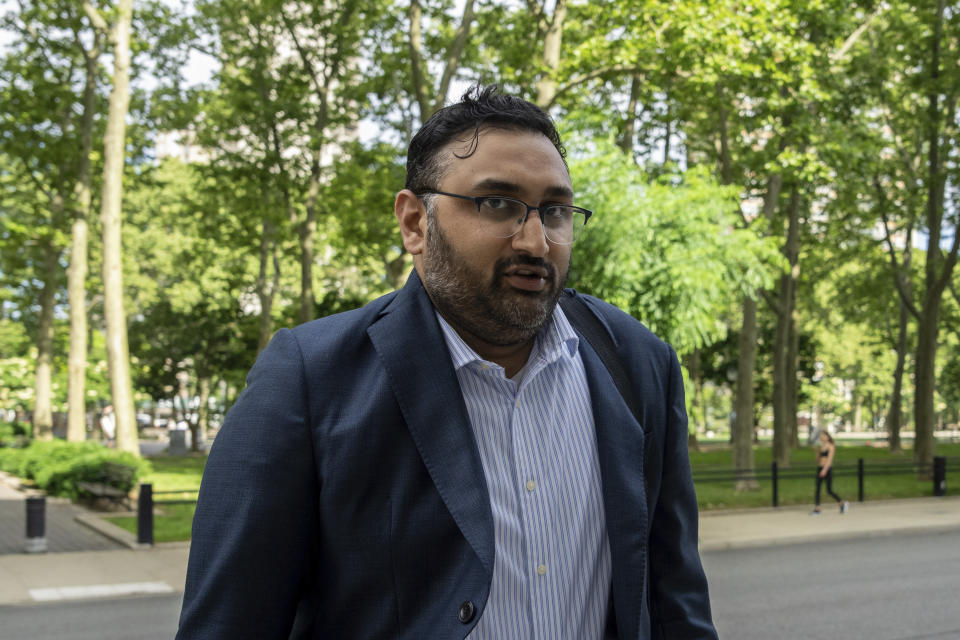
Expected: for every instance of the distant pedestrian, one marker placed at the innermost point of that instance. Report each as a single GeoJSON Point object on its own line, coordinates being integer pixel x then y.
{"type": "Point", "coordinates": [826, 452]}
{"type": "Point", "coordinates": [108, 424]}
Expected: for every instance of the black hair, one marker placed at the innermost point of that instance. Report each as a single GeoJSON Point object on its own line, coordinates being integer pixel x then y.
{"type": "Point", "coordinates": [479, 108]}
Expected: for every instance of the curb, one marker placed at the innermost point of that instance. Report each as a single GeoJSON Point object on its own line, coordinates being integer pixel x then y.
{"type": "Point", "coordinates": [822, 537]}
{"type": "Point", "coordinates": [110, 530]}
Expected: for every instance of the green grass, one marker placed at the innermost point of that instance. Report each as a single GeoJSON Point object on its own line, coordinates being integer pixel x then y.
{"type": "Point", "coordinates": [792, 491]}
{"type": "Point", "coordinates": [171, 522]}
{"type": "Point", "coordinates": [182, 474]}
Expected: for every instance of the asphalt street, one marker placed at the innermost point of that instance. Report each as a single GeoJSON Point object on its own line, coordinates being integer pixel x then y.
{"type": "Point", "coordinates": [899, 587]}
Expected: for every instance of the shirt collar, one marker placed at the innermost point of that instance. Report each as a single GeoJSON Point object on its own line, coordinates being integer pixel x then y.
{"type": "Point", "coordinates": [557, 338]}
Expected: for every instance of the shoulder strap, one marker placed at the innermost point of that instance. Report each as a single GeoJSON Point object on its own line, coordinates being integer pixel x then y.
{"type": "Point", "coordinates": [587, 323]}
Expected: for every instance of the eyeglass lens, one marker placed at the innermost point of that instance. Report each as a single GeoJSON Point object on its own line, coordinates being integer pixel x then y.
{"type": "Point", "coordinates": [503, 217]}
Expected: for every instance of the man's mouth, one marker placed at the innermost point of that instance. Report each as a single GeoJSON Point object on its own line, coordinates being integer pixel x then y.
{"type": "Point", "coordinates": [527, 278]}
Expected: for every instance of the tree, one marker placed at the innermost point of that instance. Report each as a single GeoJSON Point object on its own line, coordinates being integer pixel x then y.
{"type": "Point", "coordinates": [111, 216]}
{"type": "Point", "coordinates": [41, 142]}
{"type": "Point", "coordinates": [908, 119]}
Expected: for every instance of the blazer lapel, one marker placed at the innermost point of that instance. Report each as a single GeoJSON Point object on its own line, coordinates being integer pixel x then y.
{"type": "Point", "coordinates": [620, 443]}
{"type": "Point", "coordinates": [414, 354]}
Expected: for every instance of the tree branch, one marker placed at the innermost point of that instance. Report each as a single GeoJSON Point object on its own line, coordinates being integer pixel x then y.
{"type": "Point", "coordinates": [898, 271]}
{"type": "Point", "coordinates": [416, 60]}
{"type": "Point", "coordinates": [616, 69]}
{"type": "Point", "coordinates": [455, 53]}
{"type": "Point", "coordinates": [853, 37]}
{"type": "Point", "coordinates": [97, 20]}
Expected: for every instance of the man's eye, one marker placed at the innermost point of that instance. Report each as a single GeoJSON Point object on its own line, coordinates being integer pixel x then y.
{"type": "Point", "coordinates": [497, 203]}
{"type": "Point", "coordinates": [558, 212]}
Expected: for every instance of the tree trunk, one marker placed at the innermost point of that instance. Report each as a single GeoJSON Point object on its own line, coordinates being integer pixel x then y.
{"type": "Point", "coordinates": [630, 121]}
{"type": "Point", "coordinates": [77, 360]}
{"type": "Point", "coordinates": [793, 386]}
{"type": "Point", "coordinates": [77, 271]}
{"type": "Point", "coordinates": [308, 232]}
{"type": "Point", "coordinates": [937, 269]}
{"type": "Point", "coordinates": [782, 430]}
{"type": "Point", "coordinates": [895, 416]}
{"type": "Point", "coordinates": [924, 415]}
{"type": "Point", "coordinates": [267, 287]}
{"type": "Point", "coordinates": [203, 413]}
{"type": "Point", "coordinates": [743, 462]}
{"type": "Point", "coordinates": [114, 157]}
{"type": "Point", "coordinates": [696, 379]}
{"type": "Point", "coordinates": [547, 85]}
{"type": "Point", "coordinates": [43, 382]}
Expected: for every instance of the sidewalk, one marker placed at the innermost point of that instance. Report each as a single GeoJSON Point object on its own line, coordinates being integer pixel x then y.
{"type": "Point", "coordinates": [746, 528]}
{"type": "Point", "coordinates": [122, 569]}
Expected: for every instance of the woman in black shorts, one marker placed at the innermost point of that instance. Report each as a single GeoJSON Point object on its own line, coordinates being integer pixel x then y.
{"type": "Point", "coordinates": [827, 450]}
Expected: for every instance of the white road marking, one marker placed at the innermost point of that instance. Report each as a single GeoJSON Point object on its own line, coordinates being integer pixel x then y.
{"type": "Point", "coordinates": [98, 591]}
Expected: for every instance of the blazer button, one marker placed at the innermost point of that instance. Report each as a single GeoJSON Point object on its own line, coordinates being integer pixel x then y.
{"type": "Point", "coordinates": [466, 612]}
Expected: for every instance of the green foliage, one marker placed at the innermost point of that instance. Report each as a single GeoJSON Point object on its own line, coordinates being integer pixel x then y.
{"type": "Point", "coordinates": [670, 251]}
{"type": "Point", "coordinates": [56, 466]}
{"type": "Point", "coordinates": [13, 434]}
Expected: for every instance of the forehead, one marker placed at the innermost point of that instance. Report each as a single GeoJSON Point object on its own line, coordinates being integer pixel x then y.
{"type": "Point", "coordinates": [522, 157]}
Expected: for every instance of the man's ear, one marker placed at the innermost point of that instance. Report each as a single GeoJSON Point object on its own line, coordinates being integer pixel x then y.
{"type": "Point", "coordinates": [412, 218]}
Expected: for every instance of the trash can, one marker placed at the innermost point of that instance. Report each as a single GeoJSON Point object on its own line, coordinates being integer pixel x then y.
{"type": "Point", "coordinates": [36, 524]}
{"type": "Point", "coordinates": [940, 476]}
{"type": "Point", "coordinates": [178, 442]}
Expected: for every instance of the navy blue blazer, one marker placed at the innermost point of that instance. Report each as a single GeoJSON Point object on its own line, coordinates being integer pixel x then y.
{"type": "Point", "coordinates": [344, 496]}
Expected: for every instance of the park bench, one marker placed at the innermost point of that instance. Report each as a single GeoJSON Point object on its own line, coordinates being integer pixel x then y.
{"type": "Point", "coordinates": [112, 486]}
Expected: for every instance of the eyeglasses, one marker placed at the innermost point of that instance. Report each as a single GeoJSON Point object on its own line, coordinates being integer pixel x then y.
{"type": "Point", "coordinates": [503, 217]}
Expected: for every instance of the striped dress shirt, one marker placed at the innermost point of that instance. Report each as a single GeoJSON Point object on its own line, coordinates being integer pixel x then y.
{"type": "Point", "coordinates": [535, 434]}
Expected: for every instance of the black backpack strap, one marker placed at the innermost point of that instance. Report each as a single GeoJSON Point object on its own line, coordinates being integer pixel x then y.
{"type": "Point", "coordinates": [589, 325]}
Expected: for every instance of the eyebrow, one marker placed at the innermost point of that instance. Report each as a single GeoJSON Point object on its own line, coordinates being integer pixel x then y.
{"type": "Point", "coordinates": [505, 186]}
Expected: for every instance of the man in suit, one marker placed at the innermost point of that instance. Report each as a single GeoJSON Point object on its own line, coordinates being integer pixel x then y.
{"type": "Point", "coordinates": [454, 459]}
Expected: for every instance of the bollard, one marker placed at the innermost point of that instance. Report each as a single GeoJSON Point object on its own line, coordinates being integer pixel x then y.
{"type": "Point", "coordinates": [939, 476]}
{"type": "Point", "coordinates": [36, 526]}
{"type": "Point", "coordinates": [773, 477]}
{"type": "Point", "coordinates": [860, 479]}
{"type": "Point", "coordinates": [145, 515]}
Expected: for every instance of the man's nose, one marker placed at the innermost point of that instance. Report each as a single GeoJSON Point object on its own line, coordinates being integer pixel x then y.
{"type": "Point", "coordinates": [531, 238]}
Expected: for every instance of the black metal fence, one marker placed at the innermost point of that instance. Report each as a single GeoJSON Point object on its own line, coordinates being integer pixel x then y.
{"type": "Point", "coordinates": [773, 474]}
{"type": "Point", "coordinates": [861, 470]}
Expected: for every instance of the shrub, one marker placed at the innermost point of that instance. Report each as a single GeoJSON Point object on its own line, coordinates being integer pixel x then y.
{"type": "Point", "coordinates": [14, 434]}
{"type": "Point", "coordinates": [56, 466]}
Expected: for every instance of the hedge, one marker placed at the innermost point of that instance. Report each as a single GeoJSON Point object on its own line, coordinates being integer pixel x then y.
{"type": "Point", "coordinates": [57, 466]}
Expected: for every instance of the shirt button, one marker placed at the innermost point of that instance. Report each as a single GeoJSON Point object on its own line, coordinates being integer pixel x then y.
{"type": "Point", "coordinates": [466, 612]}
{"type": "Point", "coordinates": [542, 569]}
{"type": "Point", "coordinates": [531, 485]}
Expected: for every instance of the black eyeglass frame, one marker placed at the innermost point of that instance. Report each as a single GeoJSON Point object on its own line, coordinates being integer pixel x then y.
{"type": "Point", "coordinates": [479, 200]}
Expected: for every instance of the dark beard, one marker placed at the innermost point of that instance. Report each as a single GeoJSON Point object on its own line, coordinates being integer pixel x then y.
{"type": "Point", "coordinates": [488, 309]}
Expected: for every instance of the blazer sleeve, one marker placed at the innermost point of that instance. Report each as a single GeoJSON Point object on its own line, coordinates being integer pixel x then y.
{"type": "Point", "coordinates": [680, 603]}
{"type": "Point", "coordinates": [255, 527]}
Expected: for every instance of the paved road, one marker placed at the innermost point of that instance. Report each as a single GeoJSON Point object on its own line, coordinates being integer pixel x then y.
{"type": "Point", "coordinates": [900, 587]}
{"type": "Point", "coordinates": [137, 618]}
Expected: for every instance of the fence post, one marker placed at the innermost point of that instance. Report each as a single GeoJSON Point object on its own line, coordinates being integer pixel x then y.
{"type": "Point", "coordinates": [145, 515]}
{"type": "Point", "coordinates": [860, 479]}
{"type": "Point", "coordinates": [36, 524]}
{"type": "Point", "coordinates": [773, 476]}
{"type": "Point", "coordinates": [939, 476]}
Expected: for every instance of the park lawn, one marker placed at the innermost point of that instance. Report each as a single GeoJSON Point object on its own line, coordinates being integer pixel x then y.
{"type": "Point", "coordinates": [182, 474]}
{"type": "Point", "coordinates": [800, 490]}
{"type": "Point", "coordinates": [178, 474]}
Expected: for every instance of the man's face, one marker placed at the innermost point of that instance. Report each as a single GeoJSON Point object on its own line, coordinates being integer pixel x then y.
{"type": "Point", "coordinates": [500, 290]}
